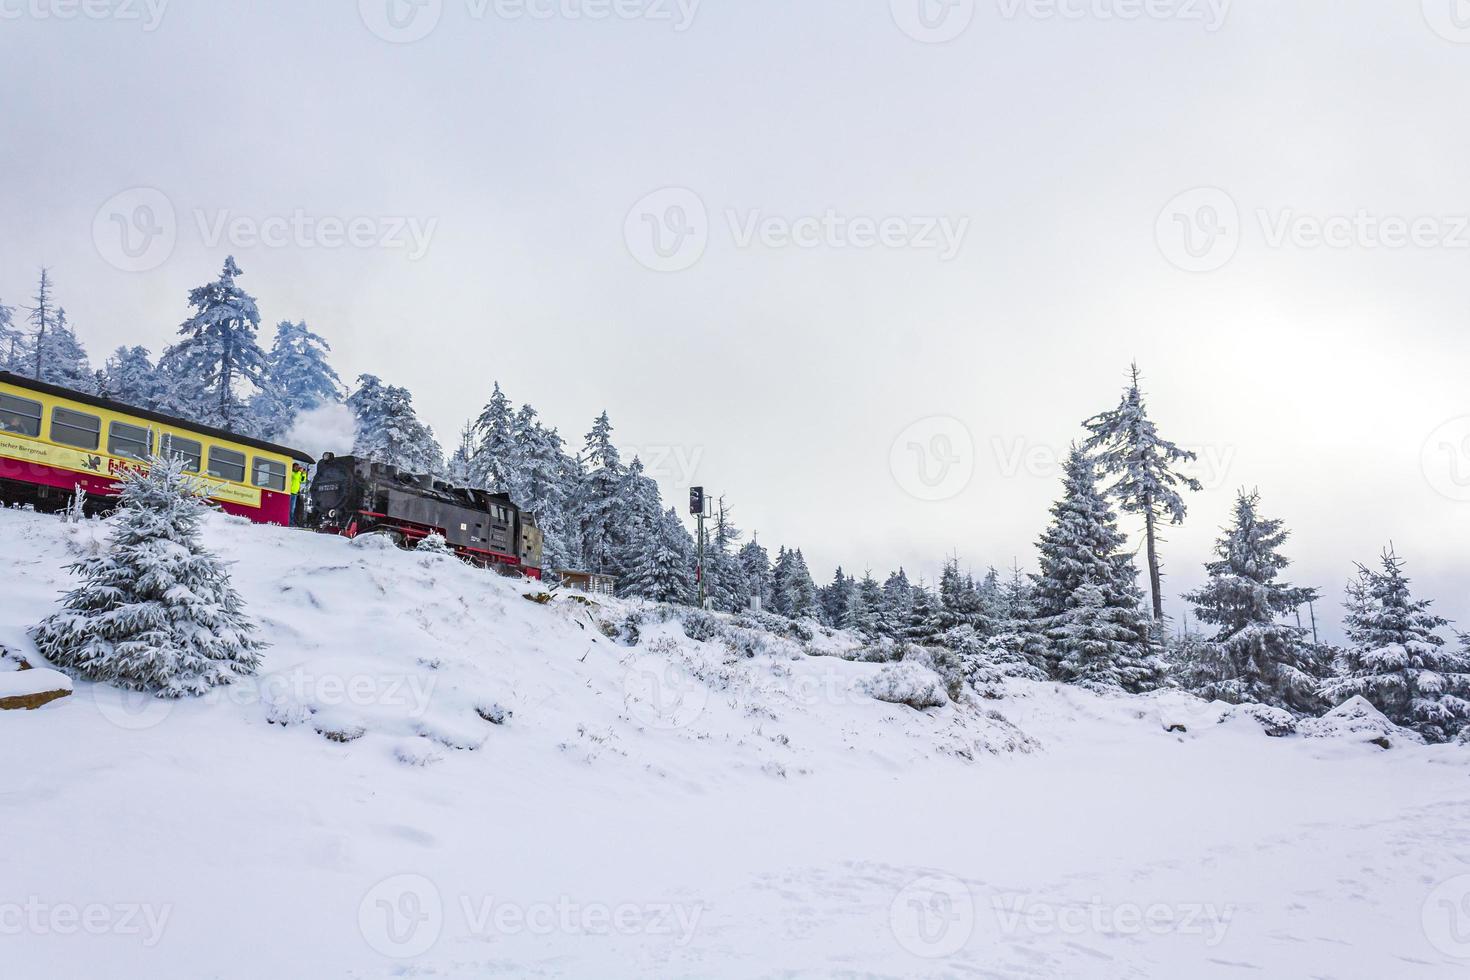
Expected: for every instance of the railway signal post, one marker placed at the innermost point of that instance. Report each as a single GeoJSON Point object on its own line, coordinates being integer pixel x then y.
{"type": "Point", "coordinates": [698, 506]}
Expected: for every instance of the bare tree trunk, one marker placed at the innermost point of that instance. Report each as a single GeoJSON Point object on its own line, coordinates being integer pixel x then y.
{"type": "Point", "coordinates": [1155, 580]}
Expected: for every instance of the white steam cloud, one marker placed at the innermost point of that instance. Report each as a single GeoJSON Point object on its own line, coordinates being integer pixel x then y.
{"type": "Point", "coordinates": [324, 429]}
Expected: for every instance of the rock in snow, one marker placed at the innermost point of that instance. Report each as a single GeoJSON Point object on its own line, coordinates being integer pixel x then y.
{"type": "Point", "coordinates": [29, 689]}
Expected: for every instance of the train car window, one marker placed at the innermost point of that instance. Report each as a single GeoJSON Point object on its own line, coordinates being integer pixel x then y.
{"type": "Point", "coordinates": [75, 428]}
{"type": "Point", "coordinates": [20, 415]}
{"type": "Point", "coordinates": [227, 464]}
{"type": "Point", "coordinates": [129, 441]}
{"type": "Point", "coordinates": [270, 473]}
{"type": "Point", "coordinates": [188, 450]}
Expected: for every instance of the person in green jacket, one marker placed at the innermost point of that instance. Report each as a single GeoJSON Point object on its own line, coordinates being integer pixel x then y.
{"type": "Point", "coordinates": [297, 484]}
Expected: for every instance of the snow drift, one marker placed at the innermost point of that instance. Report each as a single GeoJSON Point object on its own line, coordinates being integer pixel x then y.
{"type": "Point", "coordinates": [434, 775]}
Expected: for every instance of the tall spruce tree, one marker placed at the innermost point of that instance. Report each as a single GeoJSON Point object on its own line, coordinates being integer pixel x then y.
{"type": "Point", "coordinates": [217, 370]}
{"type": "Point", "coordinates": [130, 377]}
{"type": "Point", "coordinates": [389, 430]}
{"type": "Point", "coordinates": [493, 466]}
{"type": "Point", "coordinates": [1086, 595]}
{"type": "Point", "coordinates": [61, 356]}
{"type": "Point", "coordinates": [155, 610]}
{"type": "Point", "coordinates": [542, 486]}
{"type": "Point", "coordinates": [1254, 656]}
{"type": "Point", "coordinates": [661, 562]}
{"type": "Point", "coordinates": [755, 573]}
{"type": "Point", "coordinates": [41, 317]}
{"type": "Point", "coordinates": [300, 378]}
{"type": "Point", "coordinates": [1128, 446]}
{"type": "Point", "coordinates": [603, 490]}
{"type": "Point", "coordinates": [1397, 659]}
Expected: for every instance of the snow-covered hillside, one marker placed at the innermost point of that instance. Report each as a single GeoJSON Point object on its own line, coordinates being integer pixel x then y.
{"type": "Point", "coordinates": [434, 776]}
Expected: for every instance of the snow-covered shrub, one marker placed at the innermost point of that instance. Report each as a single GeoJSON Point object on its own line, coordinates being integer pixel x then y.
{"type": "Point", "coordinates": [907, 683]}
{"type": "Point", "coordinates": [750, 643]}
{"type": "Point", "coordinates": [435, 544]}
{"type": "Point", "coordinates": [881, 651]}
{"type": "Point", "coordinates": [944, 662]}
{"type": "Point", "coordinates": [987, 663]}
{"type": "Point", "coordinates": [794, 629]}
{"type": "Point", "coordinates": [1357, 719]}
{"type": "Point", "coordinates": [700, 625]}
{"type": "Point", "coordinates": [155, 610]}
{"type": "Point", "coordinates": [1275, 722]}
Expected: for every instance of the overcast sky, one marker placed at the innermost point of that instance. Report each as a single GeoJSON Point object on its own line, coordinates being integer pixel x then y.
{"type": "Point", "coordinates": [863, 267]}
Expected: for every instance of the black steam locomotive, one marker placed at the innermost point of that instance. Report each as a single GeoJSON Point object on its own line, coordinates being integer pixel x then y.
{"type": "Point", "coordinates": [352, 496]}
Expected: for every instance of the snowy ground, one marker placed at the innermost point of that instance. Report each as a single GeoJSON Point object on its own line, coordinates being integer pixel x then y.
{"type": "Point", "coordinates": [669, 809]}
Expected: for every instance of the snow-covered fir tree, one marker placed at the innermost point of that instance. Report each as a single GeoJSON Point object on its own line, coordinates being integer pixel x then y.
{"type": "Point", "coordinates": [923, 620]}
{"type": "Point", "coordinates": [864, 611]}
{"type": "Point", "coordinates": [214, 374]}
{"type": "Point", "coordinates": [756, 574]}
{"type": "Point", "coordinates": [130, 377]}
{"type": "Point", "coordinates": [1397, 659]}
{"type": "Point", "coordinates": [61, 357]}
{"type": "Point", "coordinates": [793, 593]}
{"type": "Point", "coordinates": [661, 562]}
{"type": "Point", "coordinates": [833, 598]}
{"type": "Point", "coordinates": [155, 610]}
{"type": "Point", "coordinates": [1098, 642]}
{"type": "Point", "coordinates": [545, 484]}
{"type": "Point", "coordinates": [41, 316]}
{"type": "Point", "coordinates": [603, 489]}
{"type": "Point", "coordinates": [724, 582]}
{"type": "Point", "coordinates": [457, 470]}
{"type": "Point", "coordinates": [389, 430]}
{"type": "Point", "coordinates": [299, 378]}
{"type": "Point", "coordinates": [12, 343]}
{"type": "Point", "coordinates": [897, 595]}
{"type": "Point", "coordinates": [1086, 578]}
{"type": "Point", "coordinates": [1128, 446]}
{"type": "Point", "coordinates": [640, 527]}
{"type": "Point", "coordinates": [960, 603]}
{"type": "Point", "coordinates": [1253, 655]}
{"type": "Point", "coordinates": [493, 465]}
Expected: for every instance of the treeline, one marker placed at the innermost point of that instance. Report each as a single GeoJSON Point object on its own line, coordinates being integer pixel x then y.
{"type": "Point", "coordinates": [1081, 618]}
{"type": "Point", "coordinates": [597, 511]}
